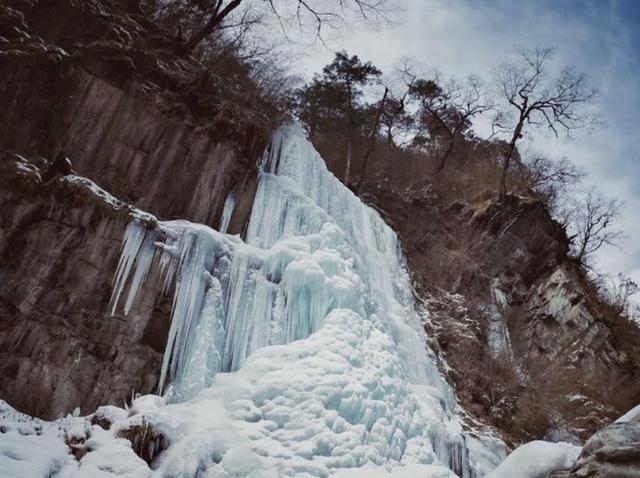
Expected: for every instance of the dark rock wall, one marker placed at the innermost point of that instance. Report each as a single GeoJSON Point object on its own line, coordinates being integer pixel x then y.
{"type": "Point", "coordinates": [613, 452]}
{"type": "Point", "coordinates": [107, 92]}
{"type": "Point", "coordinates": [59, 346]}
{"type": "Point", "coordinates": [567, 373]}
{"type": "Point", "coordinates": [126, 144]}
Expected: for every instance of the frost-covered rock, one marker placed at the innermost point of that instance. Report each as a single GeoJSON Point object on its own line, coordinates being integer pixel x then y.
{"type": "Point", "coordinates": [614, 451]}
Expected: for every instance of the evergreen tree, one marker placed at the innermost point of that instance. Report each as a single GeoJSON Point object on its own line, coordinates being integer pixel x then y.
{"type": "Point", "coordinates": [332, 102]}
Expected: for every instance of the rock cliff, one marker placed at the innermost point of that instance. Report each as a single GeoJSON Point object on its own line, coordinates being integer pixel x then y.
{"type": "Point", "coordinates": [532, 347]}
{"type": "Point", "coordinates": [613, 452]}
{"type": "Point", "coordinates": [101, 86]}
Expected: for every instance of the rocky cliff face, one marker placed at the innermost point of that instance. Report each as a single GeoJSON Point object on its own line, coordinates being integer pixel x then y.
{"type": "Point", "coordinates": [130, 145]}
{"type": "Point", "coordinates": [532, 349]}
{"type": "Point", "coordinates": [101, 86]}
{"type": "Point", "coordinates": [60, 348]}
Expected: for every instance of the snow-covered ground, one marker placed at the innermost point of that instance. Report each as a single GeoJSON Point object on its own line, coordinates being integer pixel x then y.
{"type": "Point", "coordinates": [32, 448]}
{"type": "Point", "coordinates": [297, 352]}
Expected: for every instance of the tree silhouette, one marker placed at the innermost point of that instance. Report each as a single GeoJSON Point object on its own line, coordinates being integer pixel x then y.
{"type": "Point", "coordinates": [540, 100]}
{"type": "Point", "coordinates": [332, 101]}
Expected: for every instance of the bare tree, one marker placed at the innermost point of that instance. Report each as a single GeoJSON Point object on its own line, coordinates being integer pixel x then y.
{"type": "Point", "coordinates": [550, 179]}
{"type": "Point", "coordinates": [449, 111]}
{"type": "Point", "coordinates": [592, 219]}
{"type": "Point", "coordinates": [619, 291]}
{"type": "Point", "coordinates": [209, 16]}
{"type": "Point", "coordinates": [394, 117]}
{"type": "Point", "coordinates": [541, 101]}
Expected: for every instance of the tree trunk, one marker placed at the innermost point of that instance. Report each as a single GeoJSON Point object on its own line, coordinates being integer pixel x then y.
{"type": "Point", "coordinates": [502, 186]}
{"type": "Point", "coordinates": [446, 154]}
{"type": "Point", "coordinates": [365, 162]}
{"type": "Point", "coordinates": [390, 141]}
{"type": "Point", "coordinates": [372, 140]}
{"type": "Point", "coordinates": [517, 134]}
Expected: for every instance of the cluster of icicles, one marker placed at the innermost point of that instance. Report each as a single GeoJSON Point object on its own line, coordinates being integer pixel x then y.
{"type": "Point", "coordinates": [312, 249]}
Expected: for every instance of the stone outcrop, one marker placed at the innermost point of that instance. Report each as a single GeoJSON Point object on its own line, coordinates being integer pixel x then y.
{"type": "Point", "coordinates": [613, 452]}
{"type": "Point", "coordinates": [156, 130]}
{"type": "Point", "coordinates": [59, 346]}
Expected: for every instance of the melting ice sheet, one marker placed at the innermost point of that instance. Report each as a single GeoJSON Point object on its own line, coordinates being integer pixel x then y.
{"type": "Point", "coordinates": [299, 351]}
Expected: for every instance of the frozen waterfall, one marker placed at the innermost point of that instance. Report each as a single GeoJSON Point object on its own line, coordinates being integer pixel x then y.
{"type": "Point", "coordinates": [297, 351]}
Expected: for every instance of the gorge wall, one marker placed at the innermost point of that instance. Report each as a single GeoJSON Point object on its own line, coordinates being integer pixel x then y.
{"type": "Point", "coordinates": [101, 85]}
{"type": "Point", "coordinates": [79, 85]}
{"type": "Point", "coordinates": [533, 348]}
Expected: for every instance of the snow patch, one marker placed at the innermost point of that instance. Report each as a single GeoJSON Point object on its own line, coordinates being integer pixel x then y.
{"type": "Point", "coordinates": [536, 459]}
{"type": "Point", "coordinates": [631, 416]}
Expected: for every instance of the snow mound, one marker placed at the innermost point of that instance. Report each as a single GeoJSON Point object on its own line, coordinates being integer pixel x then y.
{"type": "Point", "coordinates": [338, 399]}
{"type": "Point", "coordinates": [33, 448]}
{"type": "Point", "coordinates": [297, 352]}
{"type": "Point", "coordinates": [536, 459]}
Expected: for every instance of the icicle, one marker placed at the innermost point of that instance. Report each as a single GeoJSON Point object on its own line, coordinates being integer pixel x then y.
{"type": "Point", "coordinates": [227, 211]}
{"type": "Point", "coordinates": [134, 251]}
{"type": "Point", "coordinates": [497, 332]}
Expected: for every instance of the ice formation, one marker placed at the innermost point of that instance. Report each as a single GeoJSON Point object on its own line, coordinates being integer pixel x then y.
{"type": "Point", "coordinates": [227, 211]}
{"type": "Point", "coordinates": [299, 350]}
{"type": "Point", "coordinates": [497, 332]}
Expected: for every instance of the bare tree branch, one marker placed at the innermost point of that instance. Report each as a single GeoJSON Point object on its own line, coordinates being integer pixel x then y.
{"type": "Point", "coordinates": [592, 219]}
{"type": "Point", "coordinates": [372, 135]}
{"type": "Point", "coordinates": [540, 101]}
{"type": "Point", "coordinates": [452, 108]}
{"type": "Point", "coordinates": [209, 16]}
{"type": "Point", "coordinates": [549, 179]}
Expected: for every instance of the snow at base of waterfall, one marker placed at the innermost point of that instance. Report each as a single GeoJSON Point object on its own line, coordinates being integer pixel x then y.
{"type": "Point", "coordinates": [32, 448]}
{"type": "Point", "coordinates": [322, 406]}
{"type": "Point", "coordinates": [537, 459]}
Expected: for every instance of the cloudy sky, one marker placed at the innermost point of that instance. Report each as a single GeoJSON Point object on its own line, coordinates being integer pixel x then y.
{"type": "Point", "coordinates": [599, 37]}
